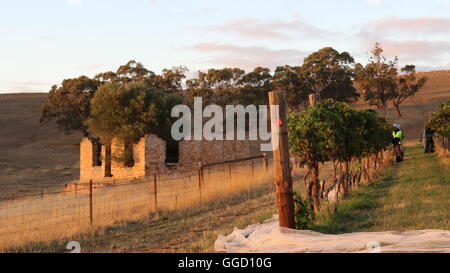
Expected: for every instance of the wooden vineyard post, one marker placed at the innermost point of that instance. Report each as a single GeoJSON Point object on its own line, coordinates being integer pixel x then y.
{"type": "Point", "coordinates": [283, 179]}
{"type": "Point", "coordinates": [312, 100]}
{"type": "Point", "coordinates": [91, 214]}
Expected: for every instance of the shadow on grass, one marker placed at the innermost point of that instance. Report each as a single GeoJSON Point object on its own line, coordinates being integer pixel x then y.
{"type": "Point", "coordinates": [358, 210]}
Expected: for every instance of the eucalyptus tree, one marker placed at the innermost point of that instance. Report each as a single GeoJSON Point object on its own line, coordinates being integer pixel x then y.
{"type": "Point", "coordinates": [408, 86]}
{"type": "Point", "coordinates": [70, 104]}
{"type": "Point", "coordinates": [129, 111]}
{"type": "Point", "coordinates": [378, 79]}
{"type": "Point", "coordinates": [328, 73]}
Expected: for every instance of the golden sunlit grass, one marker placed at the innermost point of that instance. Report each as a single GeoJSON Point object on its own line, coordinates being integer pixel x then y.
{"type": "Point", "coordinates": [57, 216]}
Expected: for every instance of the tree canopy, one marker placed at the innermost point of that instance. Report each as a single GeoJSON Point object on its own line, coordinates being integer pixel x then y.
{"type": "Point", "coordinates": [288, 78]}
{"type": "Point", "coordinates": [440, 120]}
{"type": "Point", "coordinates": [229, 86]}
{"type": "Point", "coordinates": [329, 74]}
{"type": "Point", "coordinates": [382, 82]}
{"type": "Point", "coordinates": [170, 80]}
{"type": "Point", "coordinates": [378, 78]}
{"type": "Point", "coordinates": [326, 73]}
{"type": "Point", "coordinates": [130, 111]}
{"type": "Point", "coordinates": [408, 85]}
{"type": "Point", "coordinates": [69, 104]}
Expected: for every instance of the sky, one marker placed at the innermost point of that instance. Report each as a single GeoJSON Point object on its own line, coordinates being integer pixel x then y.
{"type": "Point", "coordinates": [43, 42]}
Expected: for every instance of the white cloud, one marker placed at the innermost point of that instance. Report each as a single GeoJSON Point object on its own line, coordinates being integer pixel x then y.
{"type": "Point", "coordinates": [247, 57]}
{"type": "Point", "coordinates": [419, 40]}
{"type": "Point", "coordinates": [272, 29]}
{"type": "Point", "coordinates": [426, 25]}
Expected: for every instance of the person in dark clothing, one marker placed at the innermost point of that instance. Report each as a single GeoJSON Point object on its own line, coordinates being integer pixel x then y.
{"type": "Point", "coordinates": [428, 134]}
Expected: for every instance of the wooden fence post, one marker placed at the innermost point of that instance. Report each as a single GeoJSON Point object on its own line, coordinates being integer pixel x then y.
{"type": "Point", "coordinates": [266, 161]}
{"type": "Point", "coordinates": [155, 190]}
{"type": "Point", "coordinates": [283, 179]}
{"type": "Point", "coordinates": [229, 173]}
{"type": "Point", "coordinates": [91, 214]}
{"type": "Point", "coordinates": [200, 179]}
{"type": "Point", "coordinates": [253, 172]}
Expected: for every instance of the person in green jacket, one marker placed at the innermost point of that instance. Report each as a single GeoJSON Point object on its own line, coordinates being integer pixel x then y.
{"type": "Point", "coordinates": [397, 137]}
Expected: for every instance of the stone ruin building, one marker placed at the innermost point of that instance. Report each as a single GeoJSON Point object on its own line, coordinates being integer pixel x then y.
{"type": "Point", "coordinates": [151, 155]}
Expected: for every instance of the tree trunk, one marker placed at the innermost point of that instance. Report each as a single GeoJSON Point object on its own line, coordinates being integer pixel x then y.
{"type": "Point", "coordinates": [382, 107]}
{"type": "Point", "coordinates": [315, 187]}
{"type": "Point", "coordinates": [309, 193]}
{"type": "Point", "coordinates": [341, 178]}
{"type": "Point", "coordinates": [108, 161]}
{"type": "Point", "coordinates": [397, 108]}
{"type": "Point", "coordinates": [334, 172]}
{"type": "Point", "coordinates": [361, 167]}
{"type": "Point", "coordinates": [347, 176]}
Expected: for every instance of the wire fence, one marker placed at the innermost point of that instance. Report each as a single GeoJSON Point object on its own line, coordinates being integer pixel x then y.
{"type": "Point", "coordinates": [51, 212]}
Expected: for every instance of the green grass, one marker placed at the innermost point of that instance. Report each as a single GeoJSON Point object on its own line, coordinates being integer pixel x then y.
{"type": "Point", "coordinates": [412, 195]}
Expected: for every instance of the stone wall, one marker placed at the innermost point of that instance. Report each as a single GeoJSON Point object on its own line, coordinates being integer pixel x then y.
{"type": "Point", "coordinates": [216, 150]}
{"type": "Point", "coordinates": [155, 152]}
{"type": "Point", "coordinates": [150, 156]}
{"type": "Point", "coordinates": [87, 171]}
{"type": "Point", "coordinates": [118, 170]}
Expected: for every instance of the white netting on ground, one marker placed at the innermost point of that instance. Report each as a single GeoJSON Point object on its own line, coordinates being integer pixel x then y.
{"type": "Point", "coordinates": [270, 238]}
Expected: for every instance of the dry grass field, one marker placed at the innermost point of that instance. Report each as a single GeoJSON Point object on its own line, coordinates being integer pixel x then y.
{"type": "Point", "coordinates": [33, 154]}
{"type": "Point", "coordinates": [60, 215]}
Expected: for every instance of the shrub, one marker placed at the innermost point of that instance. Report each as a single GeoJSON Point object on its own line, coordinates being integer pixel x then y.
{"type": "Point", "coordinates": [302, 213]}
